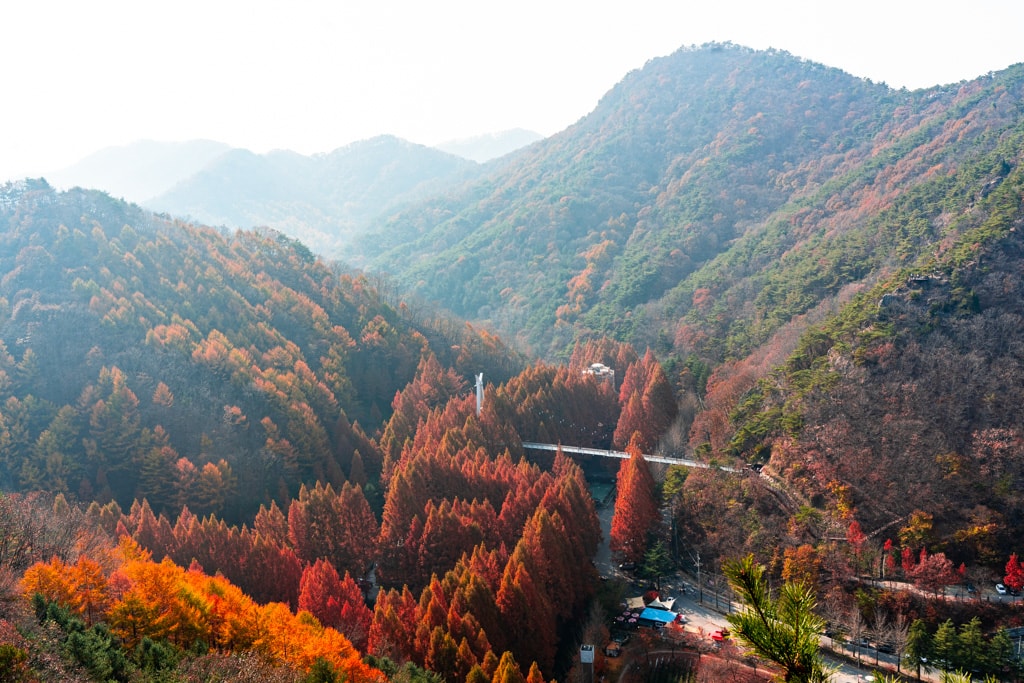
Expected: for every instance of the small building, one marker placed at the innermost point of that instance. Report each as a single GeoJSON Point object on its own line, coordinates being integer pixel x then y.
{"type": "Point", "coordinates": [587, 663]}
{"type": "Point", "coordinates": [601, 372]}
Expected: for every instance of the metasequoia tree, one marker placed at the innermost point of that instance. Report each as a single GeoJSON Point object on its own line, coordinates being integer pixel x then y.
{"type": "Point", "coordinates": [394, 624]}
{"type": "Point", "coordinates": [319, 590]}
{"type": "Point", "coordinates": [354, 617]}
{"type": "Point", "coordinates": [339, 527]}
{"type": "Point", "coordinates": [636, 509]}
{"type": "Point", "coordinates": [508, 670]}
{"type": "Point", "coordinates": [648, 405]}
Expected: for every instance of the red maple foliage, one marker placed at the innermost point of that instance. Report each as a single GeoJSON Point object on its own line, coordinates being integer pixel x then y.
{"type": "Point", "coordinates": [1014, 578]}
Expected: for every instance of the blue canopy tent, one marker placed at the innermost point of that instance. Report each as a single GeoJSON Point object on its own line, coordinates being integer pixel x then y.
{"type": "Point", "coordinates": [656, 618]}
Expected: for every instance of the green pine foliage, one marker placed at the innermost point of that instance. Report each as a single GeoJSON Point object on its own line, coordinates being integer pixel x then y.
{"type": "Point", "coordinates": [783, 628]}
{"type": "Point", "coordinates": [92, 648]}
{"type": "Point", "coordinates": [965, 648]}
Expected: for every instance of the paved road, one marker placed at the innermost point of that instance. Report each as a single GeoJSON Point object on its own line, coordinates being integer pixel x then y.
{"type": "Point", "coordinates": [703, 616]}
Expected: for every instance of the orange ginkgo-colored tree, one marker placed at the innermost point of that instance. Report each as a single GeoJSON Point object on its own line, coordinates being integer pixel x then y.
{"type": "Point", "coordinates": [82, 587]}
{"type": "Point", "coordinates": [163, 601]}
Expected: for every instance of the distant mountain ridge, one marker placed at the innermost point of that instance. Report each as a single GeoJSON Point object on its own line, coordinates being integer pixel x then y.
{"type": "Point", "coordinates": [141, 170]}
{"type": "Point", "coordinates": [323, 199]}
{"type": "Point", "coordinates": [483, 148]}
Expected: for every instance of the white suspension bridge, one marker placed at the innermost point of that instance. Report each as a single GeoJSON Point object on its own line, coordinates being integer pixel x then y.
{"type": "Point", "coordinates": [625, 456]}
{"type": "Point", "coordinates": [604, 453]}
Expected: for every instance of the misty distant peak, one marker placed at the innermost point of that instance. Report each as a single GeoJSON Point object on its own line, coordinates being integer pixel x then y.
{"type": "Point", "coordinates": [481, 148]}
{"type": "Point", "coordinates": [139, 170]}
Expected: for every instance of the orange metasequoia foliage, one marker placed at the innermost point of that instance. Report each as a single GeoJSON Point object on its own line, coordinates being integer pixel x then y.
{"type": "Point", "coordinates": [648, 405]}
{"type": "Point", "coordinates": [635, 507]}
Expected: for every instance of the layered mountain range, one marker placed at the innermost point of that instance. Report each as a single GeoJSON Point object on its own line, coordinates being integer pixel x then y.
{"type": "Point", "coordinates": [815, 258]}
{"type": "Point", "coordinates": [321, 199]}
{"type": "Point", "coordinates": [708, 199]}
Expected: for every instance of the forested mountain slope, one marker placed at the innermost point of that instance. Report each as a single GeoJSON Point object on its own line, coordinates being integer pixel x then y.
{"type": "Point", "coordinates": [239, 432]}
{"type": "Point", "coordinates": [321, 200]}
{"type": "Point", "coordinates": [711, 197]}
{"type": "Point", "coordinates": [905, 408]}
{"type": "Point", "coordinates": [141, 357]}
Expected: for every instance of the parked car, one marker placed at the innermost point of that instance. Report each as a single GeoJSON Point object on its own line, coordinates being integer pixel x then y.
{"type": "Point", "coordinates": [1001, 589]}
{"type": "Point", "coordinates": [970, 588]}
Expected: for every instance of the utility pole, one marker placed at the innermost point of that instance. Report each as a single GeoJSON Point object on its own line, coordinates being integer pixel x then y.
{"type": "Point", "coordinates": [700, 586]}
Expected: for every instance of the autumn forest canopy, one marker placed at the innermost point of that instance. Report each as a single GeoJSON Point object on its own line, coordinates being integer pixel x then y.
{"type": "Point", "coordinates": [221, 452]}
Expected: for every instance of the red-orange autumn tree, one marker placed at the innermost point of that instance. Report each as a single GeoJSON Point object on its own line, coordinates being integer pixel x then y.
{"type": "Point", "coordinates": [319, 589]}
{"type": "Point", "coordinates": [355, 617]}
{"type": "Point", "coordinates": [934, 572]}
{"type": "Point", "coordinates": [393, 628]}
{"type": "Point", "coordinates": [432, 387]}
{"type": "Point", "coordinates": [1014, 578]}
{"type": "Point", "coordinates": [648, 405]}
{"type": "Point", "coordinates": [339, 527]}
{"type": "Point", "coordinates": [636, 507]}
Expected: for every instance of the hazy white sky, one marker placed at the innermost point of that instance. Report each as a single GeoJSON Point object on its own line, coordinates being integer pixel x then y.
{"type": "Point", "coordinates": [313, 75]}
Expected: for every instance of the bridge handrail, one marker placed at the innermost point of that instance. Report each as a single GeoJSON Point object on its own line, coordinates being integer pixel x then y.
{"type": "Point", "coordinates": [606, 453]}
